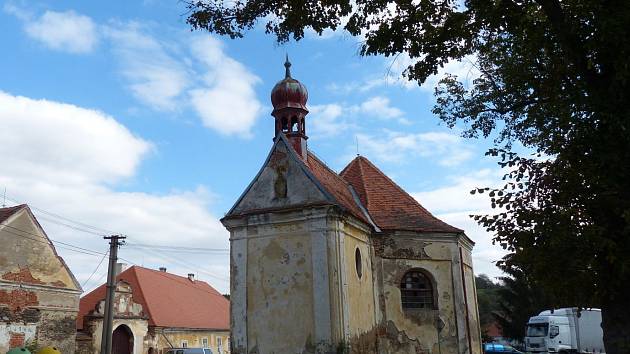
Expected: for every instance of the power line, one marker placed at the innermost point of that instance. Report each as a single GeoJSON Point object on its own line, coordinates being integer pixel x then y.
{"type": "Point", "coordinates": [50, 239]}
{"type": "Point", "coordinates": [95, 269]}
{"type": "Point", "coordinates": [69, 226]}
{"type": "Point", "coordinates": [163, 274]}
{"type": "Point", "coordinates": [63, 217]}
{"type": "Point", "coordinates": [184, 264]}
{"type": "Point", "coordinates": [103, 255]}
{"type": "Point", "coordinates": [179, 249]}
{"type": "Point", "coordinates": [155, 249]}
{"type": "Point", "coordinates": [78, 249]}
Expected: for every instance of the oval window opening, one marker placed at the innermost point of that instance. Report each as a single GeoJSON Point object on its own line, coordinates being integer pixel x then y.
{"type": "Point", "coordinates": [357, 261]}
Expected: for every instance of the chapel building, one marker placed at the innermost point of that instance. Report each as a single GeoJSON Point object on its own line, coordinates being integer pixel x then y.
{"type": "Point", "coordinates": [326, 262]}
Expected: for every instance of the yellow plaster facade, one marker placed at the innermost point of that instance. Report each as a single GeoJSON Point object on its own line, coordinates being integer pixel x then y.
{"type": "Point", "coordinates": [218, 341]}
{"type": "Point", "coordinates": [307, 277]}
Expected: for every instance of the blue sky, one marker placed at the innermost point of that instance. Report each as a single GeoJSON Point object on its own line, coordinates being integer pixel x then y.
{"type": "Point", "coordinates": [114, 114]}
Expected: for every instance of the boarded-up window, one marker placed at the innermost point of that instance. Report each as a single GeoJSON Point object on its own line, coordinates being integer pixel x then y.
{"type": "Point", "coordinates": [416, 291]}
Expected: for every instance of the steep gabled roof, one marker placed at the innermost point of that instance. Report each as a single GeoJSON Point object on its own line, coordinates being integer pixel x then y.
{"type": "Point", "coordinates": [168, 300]}
{"type": "Point", "coordinates": [339, 188]}
{"type": "Point", "coordinates": [390, 207]}
{"type": "Point", "coordinates": [5, 221]}
{"type": "Point", "coordinates": [7, 212]}
{"type": "Point", "coordinates": [319, 185]}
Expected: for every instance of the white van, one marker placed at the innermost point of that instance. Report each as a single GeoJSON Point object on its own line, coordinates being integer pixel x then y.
{"type": "Point", "coordinates": [565, 330]}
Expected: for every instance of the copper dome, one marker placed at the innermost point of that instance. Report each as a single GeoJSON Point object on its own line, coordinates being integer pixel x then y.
{"type": "Point", "coordinates": [289, 92]}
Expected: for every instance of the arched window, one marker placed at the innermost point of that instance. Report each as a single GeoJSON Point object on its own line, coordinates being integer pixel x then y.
{"type": "Point", "coordinates": [285, 124]}
{"type": "Point", "coordinates": [357, 262]}
{"type": "Point", "coordinates": [416, 291]}
{"type": "Point", "coordinates": [294, 124]}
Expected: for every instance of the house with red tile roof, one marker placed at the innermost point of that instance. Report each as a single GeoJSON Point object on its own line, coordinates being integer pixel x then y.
{"type": "Point", "coordinates": [324, 261]}
{"type": "Point", "coordinates": [154, 311]}
{"type": "Point", "coordinates": [39, 295]}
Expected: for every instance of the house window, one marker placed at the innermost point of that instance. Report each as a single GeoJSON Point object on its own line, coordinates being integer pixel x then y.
{"type": "Point", "coordinates": [204, 342]}
{"type": "Point", "coordinates": [219, 344]}
{"type": "Point", "coordinates": [184, 344]}
{"type": "Point", "coordinates": [357, 262]}
{"type": "Point", "coordinates": [416, 291]}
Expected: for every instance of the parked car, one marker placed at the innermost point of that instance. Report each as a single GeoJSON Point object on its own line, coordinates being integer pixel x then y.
{"type": "Point", "coordinates": [189, 351]}
{"type": "Point", "coordinates": [496, 348]}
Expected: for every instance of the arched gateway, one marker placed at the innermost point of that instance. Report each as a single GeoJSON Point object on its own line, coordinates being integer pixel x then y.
{"type": "Point", "coordinates": [122, 340]}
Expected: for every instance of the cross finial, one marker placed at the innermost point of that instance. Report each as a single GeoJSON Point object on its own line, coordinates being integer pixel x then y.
{"type": "Point", "coordinates": [287, 65]}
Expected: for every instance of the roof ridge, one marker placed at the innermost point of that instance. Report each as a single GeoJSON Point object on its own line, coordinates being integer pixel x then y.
{"type": "Point", "coordinates": [357, 161]}
{"type": "Point", "coordinates": [11, 211]}
{"type": "Point", "coordinates": [398, 187]}
{"type": "Point", "coordinates": [367, 197]}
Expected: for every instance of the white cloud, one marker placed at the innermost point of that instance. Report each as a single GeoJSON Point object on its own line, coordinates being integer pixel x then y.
{"type": "Point", "coordinates": [64, 31]}
{"type": "Point", "coordinates": [380, 107]}
{"type": "Point", "coordinates": [155, 76]}
{"type": "Point", "coordinates": [394, 68]}
{"type": "Point", "coordinates": [226, 101]}
{"type": "Point", "coordinates": [327, 120]}
{"type": "Point", "coordinates": [391, 146]}
{"type": "Point", "coordinates": [162, 75]}
{"type": "Point", "coordinates": [453, 203]}
{"type": "Point", "coordinates": [67, 160]}
{"type": "Point", "coordinates": [50, 133]}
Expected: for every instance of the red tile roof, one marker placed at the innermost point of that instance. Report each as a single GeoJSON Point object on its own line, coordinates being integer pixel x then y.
{"type": "Point", "coordinates": [168, 300]}
{"type": "Point", "coordinates": [389, 206]}
{"type": "Point", "coordinates": [6, 213]}
{"type": "Point", "coordinates": [335, 185]}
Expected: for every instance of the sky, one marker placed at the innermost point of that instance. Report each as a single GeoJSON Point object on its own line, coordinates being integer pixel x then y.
{"type": "Point", "coordinates": [115, 117]}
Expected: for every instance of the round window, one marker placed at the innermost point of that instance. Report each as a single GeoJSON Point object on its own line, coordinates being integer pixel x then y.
{"type": "Point", "coordinates": [357, 261]}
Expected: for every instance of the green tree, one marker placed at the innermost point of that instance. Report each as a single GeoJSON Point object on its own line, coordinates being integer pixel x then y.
{"type": "Point", "coordinates": [487, 300]}
{"type": "Point", "coordinates": [554, 77]}
{"type": "Point", "coordinates": [519, 298]}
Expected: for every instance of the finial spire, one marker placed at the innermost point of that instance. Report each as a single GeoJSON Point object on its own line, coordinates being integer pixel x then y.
{"type": "Point", "coordinates": [287, 66]}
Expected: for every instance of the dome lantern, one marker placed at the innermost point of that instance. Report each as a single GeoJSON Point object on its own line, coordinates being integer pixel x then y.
{"type": "Point", "coordinates": [288, 98]}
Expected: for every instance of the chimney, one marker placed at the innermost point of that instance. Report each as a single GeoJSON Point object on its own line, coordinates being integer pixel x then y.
{"type": "Point", "coordinates": [119, 268]}
{"type": "Point", "coordinates": [163, 269]}
{"type": "Point", "coordinates": [191, 277]}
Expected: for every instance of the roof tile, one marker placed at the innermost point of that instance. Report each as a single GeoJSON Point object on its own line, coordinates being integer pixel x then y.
{"type": "Point", "coordinates": [389, 206]}
{"type": "Point", "coordinates": [169, 300]}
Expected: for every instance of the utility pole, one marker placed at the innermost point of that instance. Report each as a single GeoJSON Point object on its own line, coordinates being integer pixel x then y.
{"type": "Point", "coordinates": [108, 317]}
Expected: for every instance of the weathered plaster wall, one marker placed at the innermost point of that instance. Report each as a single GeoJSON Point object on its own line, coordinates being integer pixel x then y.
{"type": "Point", "coordinates": [282, 183]}
{"type": "Point", "coordinates": [417, 330]}
{"type": "Point", "coordinates": [138, 328]}
{"type": "Point", "coordinates": [126, 312]}
{"type": "Point", "coordinates": [286, 283]}
{"type": "Point", "coordinates": [26, 256]}
{"type": "Point", "coordinates": [471, 294]}
{"type": "Point", "coordinates": [280, 288]}
{"type": "Point", "coordinates": [360, 290]}
{"type": "Point", "coordinates": [39, 298]}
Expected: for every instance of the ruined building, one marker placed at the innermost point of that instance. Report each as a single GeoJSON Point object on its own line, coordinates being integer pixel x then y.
{"type": "Point", "coordinates": [154, 311]}
{"type": "Point", "coordinates": [324, 262]}
{"type": "Point", "coordinates": [39, 295]}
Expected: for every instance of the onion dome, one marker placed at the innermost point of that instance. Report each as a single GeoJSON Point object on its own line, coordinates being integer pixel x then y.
{"type": "Point", "coordinates": [289, 93]}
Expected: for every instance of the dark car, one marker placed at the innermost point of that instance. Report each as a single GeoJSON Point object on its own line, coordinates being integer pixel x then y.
{"type": "Point", "coordinates": [496, 348]}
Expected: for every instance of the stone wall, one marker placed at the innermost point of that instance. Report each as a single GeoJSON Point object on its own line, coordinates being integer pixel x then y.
{"type": "Point", "coordinates": [39, 296]}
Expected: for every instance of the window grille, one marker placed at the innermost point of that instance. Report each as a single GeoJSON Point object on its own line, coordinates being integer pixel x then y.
{"type": "Point", "coordinates": [416, 291]}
